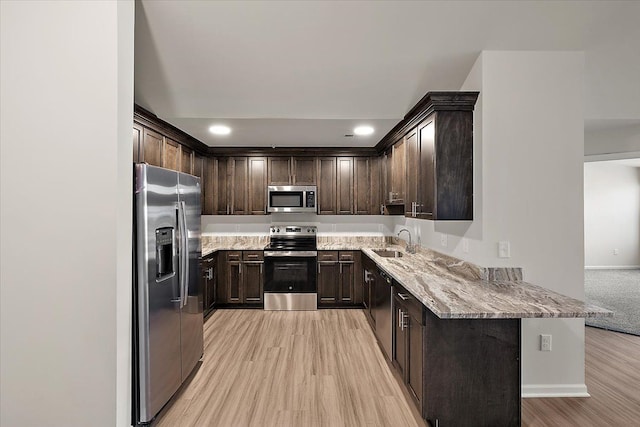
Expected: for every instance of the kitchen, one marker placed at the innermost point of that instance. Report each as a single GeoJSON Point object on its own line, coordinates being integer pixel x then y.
{"type": "Point", "coordinates": [105, 389]}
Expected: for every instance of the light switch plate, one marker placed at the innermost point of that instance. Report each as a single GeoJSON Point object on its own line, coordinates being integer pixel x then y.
{"type": "Point", "coordinates": [545, 342]}
{"type": "Point", "coordinates": [504, 249]}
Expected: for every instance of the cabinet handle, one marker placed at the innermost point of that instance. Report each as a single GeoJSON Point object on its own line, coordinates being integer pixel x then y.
{"type": "Point", "coordinates": [261, 265]}
{"type": "Point", "coordinates": [400, 319]}
{"type": "Point", "coordinates": [404, 297]}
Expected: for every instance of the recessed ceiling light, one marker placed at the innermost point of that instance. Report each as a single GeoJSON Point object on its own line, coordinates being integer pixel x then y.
{"type": "Point", "coordinates": [220, 130]}
{"type": "Point", "coordinates": [363, 130]}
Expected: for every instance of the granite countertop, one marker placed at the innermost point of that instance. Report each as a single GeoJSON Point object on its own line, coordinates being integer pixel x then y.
{"type": "Point", "coordinates": [449, 287]}
{"type": "Point", "coordinates": [454, 289]}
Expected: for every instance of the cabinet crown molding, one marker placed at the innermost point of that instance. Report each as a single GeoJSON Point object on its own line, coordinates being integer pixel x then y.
{"type": "Point", "coordinates": [430, 103]}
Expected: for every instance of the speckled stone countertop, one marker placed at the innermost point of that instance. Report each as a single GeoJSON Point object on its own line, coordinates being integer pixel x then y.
{"type": "Point", "coordinates": [454, 289]}
{"type": "Point", "coordinates": [449, 287]}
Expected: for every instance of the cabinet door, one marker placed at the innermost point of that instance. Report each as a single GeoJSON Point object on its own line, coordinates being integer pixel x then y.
{"type": "Point", "coordinates": [411, 173]}
{"type": "Point", "coordinates": [426, 189]}
{"type": "Point", "coordinates": [375, 185]}
{"type": "Point", "coordinates": [171, 155]}
{"type": "Point", "coordinates": [238, 187]}
{"type": "Point", "coordinates": [362, 186]}
{"type": "Point", "coordinates": [387, 175]}
{"type": "Point", "coordinates": [252, 281]}
{"type": "Point", "coordinates": [257, 186]}
{"type": "Point", "coordinates": [414, 358]}
{"type": "Point", "coordinates": [198, 170]}
{"type": "Point", "coordinates": [234, 282]}
{"type": "Point", "coordinates": [304, 171]}
{"type": "Point", "coordinates": [279, 170]}
{"type": "Point", "coordinates": [152, 150]}
{"type": "Point", "coordinates": [137, 141]}
{"type": "Point", "coordinates": [222, 203]}
{"type": "Point", "coordinates": [186, 160]}
{"type": "Point", "coordinates": [344, 201]}
{"type": "Point", "coordinates": [399, 348]}
{"type": "Point", "coordinates": [328, 279]}
{"type": "Point", "coordinates": [398, 170]}
{"type": "Point", "coordinates": [347, 276]}
{"type": "Point", "coordinates": [327, 185]}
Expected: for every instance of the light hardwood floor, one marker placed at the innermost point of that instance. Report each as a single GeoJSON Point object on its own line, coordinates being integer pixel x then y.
{"type": "Point", "coordinates": [612, 362]}
{"type": "Point", "coordinates": [324, 368]}
{"type": "Point", "coordinates": [268, 368]}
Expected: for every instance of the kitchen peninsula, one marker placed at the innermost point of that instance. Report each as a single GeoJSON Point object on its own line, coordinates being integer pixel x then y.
{"type": "Point", "coordinates": [456, 325]}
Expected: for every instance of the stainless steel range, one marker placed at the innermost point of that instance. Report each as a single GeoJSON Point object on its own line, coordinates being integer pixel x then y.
{"type": "Point", "coordinates": [290, 261]}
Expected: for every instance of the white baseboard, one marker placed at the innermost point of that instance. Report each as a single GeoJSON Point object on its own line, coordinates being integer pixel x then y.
{"type": "Point", "coordinates": [554, 390]}
{"type": "Point", "coordinates": [611, 267]}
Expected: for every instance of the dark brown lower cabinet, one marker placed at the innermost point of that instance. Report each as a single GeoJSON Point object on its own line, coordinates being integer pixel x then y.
{"type": "Point", "coordinates": [471, 372]}
{"type": "Point", "coordinates": [408, 321]}
{"type": "Point", "coordinates": [209, 282]}
{"type": "Point", "coordinates": [243, 273]}
{"type": "Point", "coordinates": [339, 278]}
{"type": "Point", "coordinates": [459, 372]}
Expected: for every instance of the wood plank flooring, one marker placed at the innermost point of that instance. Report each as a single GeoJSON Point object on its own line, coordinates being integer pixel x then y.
{"type": "Point", "coordinates": [269, 368]}
{"type": "Point", "coordinates": [612, 362]}
{"type": "Point", "coordinates": [324, 368]}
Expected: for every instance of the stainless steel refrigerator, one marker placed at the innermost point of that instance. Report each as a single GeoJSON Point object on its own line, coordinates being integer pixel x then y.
{"type": "Point", "coordinates": [168, 321]}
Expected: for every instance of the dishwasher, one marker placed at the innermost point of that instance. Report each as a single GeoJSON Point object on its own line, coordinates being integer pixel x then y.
{"type": "Point", "coordinates": [383, 314]}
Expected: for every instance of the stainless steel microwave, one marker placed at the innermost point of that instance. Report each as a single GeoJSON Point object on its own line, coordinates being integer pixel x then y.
{"type": "Point", "coordinates": [292, 198]}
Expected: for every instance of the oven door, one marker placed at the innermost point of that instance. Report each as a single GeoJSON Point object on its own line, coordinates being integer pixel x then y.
{"type": "Point", "coordinates": [290, 271]}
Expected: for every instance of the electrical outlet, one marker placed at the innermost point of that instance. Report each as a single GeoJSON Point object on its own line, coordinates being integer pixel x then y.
{"type": "Point", "coordinates": [616, 251]}
{"type": "Point", "coordinates": [465, 245]}
{"type": "Point", "coordinates": [504, 249]}
{"type": "Point", "coordinates": [545, 342]}
{"type": "Point", "coordinates": [443, 240]}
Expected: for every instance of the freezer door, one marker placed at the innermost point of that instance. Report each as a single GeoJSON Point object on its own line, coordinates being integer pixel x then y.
{"type": "Point", "coordinates": [192, 306]}
{"type": "Point", "coordinates": [157, 297]}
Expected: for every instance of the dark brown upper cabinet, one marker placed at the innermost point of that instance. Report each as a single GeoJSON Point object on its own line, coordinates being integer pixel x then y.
{"type": "Point", "coordinates": [237, 186]}
{"type": "Point", "coordinates": [221, 201]}
{"type": "Point", "coordinates": [186, 160]}
{"type": "Point", "coordinates": [257, 186]}
{"type": "Point", "coordinates": [367, 187]}
{"type": "Point", "coordinates": [437, 136]}
{"type": "Point", "coordinates": [304, 171]}
{"type": "Point", "coordinates": [344, 201]}
{"type": "Point", "coordinates": [327, 185]}
{"type": "Point", "coordinates": [171, 154]}
{"type": "Point", "coordinates": [292, 171]}
{"type": "Point", "coordinates": [280, 171]}
{"type": "Point", "coordinates": [151, 151]}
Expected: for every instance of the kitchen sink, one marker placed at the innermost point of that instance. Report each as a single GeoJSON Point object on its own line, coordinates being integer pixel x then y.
{"type": "Point", "coordinates": [387, 253]}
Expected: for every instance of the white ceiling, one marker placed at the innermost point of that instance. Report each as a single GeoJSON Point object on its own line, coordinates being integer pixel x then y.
{"type": "Point", "coordinates": [304, 73]}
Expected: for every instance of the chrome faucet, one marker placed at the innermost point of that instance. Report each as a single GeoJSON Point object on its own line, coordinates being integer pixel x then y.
{"type": "Point", "coordinates": [410, 248]}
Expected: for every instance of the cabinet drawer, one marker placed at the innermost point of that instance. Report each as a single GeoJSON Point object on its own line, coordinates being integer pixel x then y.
{"type": "Point", "coordinates": [327, 255]}
{"type": "Point", "coordinates": [234, 256]}
{"type": "Point", "coordinates": [413, 306]}
{"type": "Point", "coordinates": [253, 255]}
{"type": "Point", "coordinates": [347, 256]}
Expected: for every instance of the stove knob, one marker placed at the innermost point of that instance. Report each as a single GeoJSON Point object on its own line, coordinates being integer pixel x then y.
{"type": "Point", "coordinates": [278, 230]}
{"type": "Point", "coordinates": [273, 229]}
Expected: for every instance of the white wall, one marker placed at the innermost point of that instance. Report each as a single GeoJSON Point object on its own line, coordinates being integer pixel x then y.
{"type": "Point", "coordinates": [66, 82]}
{"type": "Point", "coordinates": [528, 190]}
{"type": "Point", "coordinates": [365, 225]}
{"type": "Point", "coordinates": [617, 139]}
{"type": "Point", "coordinates": [611, 215]}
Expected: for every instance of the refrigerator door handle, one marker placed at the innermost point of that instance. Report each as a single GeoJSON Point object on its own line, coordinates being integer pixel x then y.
{"type": "Point", "coordinates": [184, 254]}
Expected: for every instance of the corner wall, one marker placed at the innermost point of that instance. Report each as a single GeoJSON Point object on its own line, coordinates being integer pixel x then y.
{"type": "Point", "coordinates": [66, 107]}
{"type": "Point", "coordinates": [528, 190]}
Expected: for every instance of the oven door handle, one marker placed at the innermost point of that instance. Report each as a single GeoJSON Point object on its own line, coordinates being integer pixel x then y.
{"type": "Point", "coordinates": [299, 254]}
